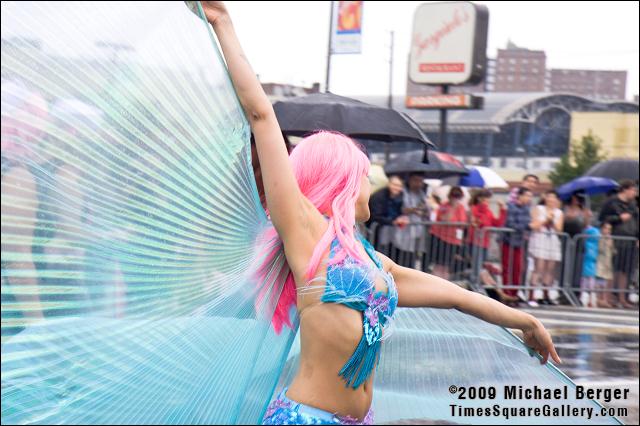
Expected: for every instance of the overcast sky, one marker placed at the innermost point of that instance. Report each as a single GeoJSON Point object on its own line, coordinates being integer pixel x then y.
{"type": "Point", "coordinates": [286, 42]}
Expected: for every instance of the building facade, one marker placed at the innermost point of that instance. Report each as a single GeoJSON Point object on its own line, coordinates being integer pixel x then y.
{"type": "Point", "coordinates": [594, 84]}
{"type": "Point", "coordinates": [520, 70]}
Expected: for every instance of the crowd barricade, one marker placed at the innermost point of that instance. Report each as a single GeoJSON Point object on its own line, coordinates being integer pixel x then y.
{"type": "Point", "coordinates": [438, 248]}
{"type": "Point", "coordinates": [531, 265]}
{"type": "Point", "coordinates": [602, 268]}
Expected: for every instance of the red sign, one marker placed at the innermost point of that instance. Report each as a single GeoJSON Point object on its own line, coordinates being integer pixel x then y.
{"type": "Point", "coordinates": [452, 67]}
{"type": "Point", "coordinates": [439, 101]}
{"type": "Point", "coordinates": [349, 17]}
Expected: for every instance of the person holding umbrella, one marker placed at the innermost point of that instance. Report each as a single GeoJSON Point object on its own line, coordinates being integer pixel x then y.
{"type": "Point", "coordinates": [621, 211]}
{"type": "Point", "coordinates": [385, 206]}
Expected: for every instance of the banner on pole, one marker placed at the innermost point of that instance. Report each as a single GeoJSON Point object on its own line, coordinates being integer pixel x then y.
{"type": "Point", "coordinates": [347, 27]}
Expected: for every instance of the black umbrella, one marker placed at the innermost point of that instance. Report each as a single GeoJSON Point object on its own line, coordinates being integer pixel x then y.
{"type": "Point", "coordinates": [405, 166]}
{"type": "Point", "coordinates": [441, 165]}
{"type": "Point", "coordinates": [326, 111]}
{"type": "Point", "coordinates": [617, 169]}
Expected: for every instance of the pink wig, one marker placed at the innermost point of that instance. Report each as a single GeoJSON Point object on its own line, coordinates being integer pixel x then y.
{"type": "Point", "coordinates": [329, 168]}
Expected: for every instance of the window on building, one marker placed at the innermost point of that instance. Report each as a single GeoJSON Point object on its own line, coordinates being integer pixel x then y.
{"type": "Point", "coordinates": [509, 78]}
{"type": "Point", "coordinates": [512, 61]}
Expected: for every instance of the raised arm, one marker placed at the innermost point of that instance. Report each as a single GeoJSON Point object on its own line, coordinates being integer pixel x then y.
{"type": "Point", "coordinates": [417, 289]}
{"type": "Point", "coordinates": [287, 206]}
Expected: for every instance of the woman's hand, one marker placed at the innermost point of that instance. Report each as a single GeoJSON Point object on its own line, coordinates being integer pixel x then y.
{"type": "Point", "coordinates": [214, 11]}
{"type": "Point", "coordinates": [538, 338]}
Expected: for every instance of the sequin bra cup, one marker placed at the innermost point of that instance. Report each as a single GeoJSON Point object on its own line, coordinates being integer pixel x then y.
{"type": "Point", "coordinates": [352, 283]}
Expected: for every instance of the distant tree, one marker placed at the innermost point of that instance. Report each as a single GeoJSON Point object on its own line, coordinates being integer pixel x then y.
{"type": "Point", "coordinates": [581, 157]}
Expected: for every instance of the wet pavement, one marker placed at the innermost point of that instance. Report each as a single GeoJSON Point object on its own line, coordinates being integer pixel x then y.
{"type": "Point", "coordinates": [598, 348]}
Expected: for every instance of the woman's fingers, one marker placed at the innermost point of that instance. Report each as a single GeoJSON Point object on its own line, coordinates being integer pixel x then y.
{"type": "Point", "coordinates": [554, 354]}
{"type": "Point", "coordinates": [545, 356]}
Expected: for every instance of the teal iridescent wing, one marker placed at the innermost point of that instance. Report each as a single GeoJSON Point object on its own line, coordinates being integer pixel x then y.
{"type": "Point", "coordinates": [130, 223]}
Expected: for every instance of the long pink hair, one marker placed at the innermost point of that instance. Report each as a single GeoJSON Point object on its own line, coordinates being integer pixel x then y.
{"type": "Point", "coordinates": [329, 168]}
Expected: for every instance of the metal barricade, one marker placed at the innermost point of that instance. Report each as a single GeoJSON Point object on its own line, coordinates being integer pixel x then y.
{"type": "Point", "coordinates": [519, 266]}
{"type": "Point", "coordinates": [439, 248]}
{"type": "Point", "coordinates": [604, 270]}
{"type": "Point", "coordinates": [505, 264]}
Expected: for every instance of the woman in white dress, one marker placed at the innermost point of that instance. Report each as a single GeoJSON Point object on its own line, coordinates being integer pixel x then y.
{"type": "Point", "coordinates": [544, 244]}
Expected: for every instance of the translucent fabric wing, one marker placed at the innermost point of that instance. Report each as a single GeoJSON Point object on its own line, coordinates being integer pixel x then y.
{"type": "Point", "coordinates": [130, 223]}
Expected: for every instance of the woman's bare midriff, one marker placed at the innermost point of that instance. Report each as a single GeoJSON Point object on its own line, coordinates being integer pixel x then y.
{"type": "Point", "coordinates": [329, 334]}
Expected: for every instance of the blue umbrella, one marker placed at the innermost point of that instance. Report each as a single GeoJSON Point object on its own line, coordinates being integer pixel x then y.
{"type": "Point", "coordinates": [587, 184]}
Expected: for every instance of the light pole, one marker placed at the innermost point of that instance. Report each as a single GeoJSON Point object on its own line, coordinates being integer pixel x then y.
{"type": "Point", "coordinates": [326, 83]}
{"type": "Point", "coordinates": [390, 99]}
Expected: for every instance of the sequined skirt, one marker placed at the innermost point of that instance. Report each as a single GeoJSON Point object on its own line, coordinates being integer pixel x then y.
{"type": "Point", "coordinates": [283, 411]}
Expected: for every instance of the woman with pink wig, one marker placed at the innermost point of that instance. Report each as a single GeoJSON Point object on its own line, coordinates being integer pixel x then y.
{"type": "Point", "coordinates": [345, 292]}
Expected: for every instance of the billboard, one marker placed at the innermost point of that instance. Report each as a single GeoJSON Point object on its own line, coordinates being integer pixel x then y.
{"type": "Point", "coordinates": [449, 42]}
{"type": "Point", "coordinates": [346, 34]}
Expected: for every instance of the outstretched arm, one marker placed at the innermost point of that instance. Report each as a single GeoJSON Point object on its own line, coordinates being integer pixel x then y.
{"type": "Point", "coordinates": [418, 289]}
{"type": "Point", "coordinates": [287, 206]}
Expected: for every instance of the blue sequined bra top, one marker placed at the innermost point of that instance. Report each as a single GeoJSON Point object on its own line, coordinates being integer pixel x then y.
{"type": "Point", "coordinates": [352, 283]}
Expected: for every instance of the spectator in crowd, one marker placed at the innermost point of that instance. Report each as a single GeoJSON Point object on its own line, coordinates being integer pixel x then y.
{"type": "Point", "coordinates": [530, 182]}
{"type": "Point", "coordinates": [604, 266]}
{"type": "Point", "coordinates": [386, 212]}
{"type": "Point", "coordinates": [544, 244]}
{"type": "Point", "coordinates": [622, 212]}
{"type": "Point", "coordinates": [576, 219]}
{"type": "Point", "coordinates": [410, 239]}
{"type": "Point", "coordinates": [482, 217]}
{"type": "Point", "coordinates": [447, 239]}
{"type": "Point", "coordinates": [19, 219]}
{"type": "Point", "coordinates": [518, 219]}
{"type": "Point", "coordinates": [588, 297]}
{"type": "Point", "coordinates": [575, 215]}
